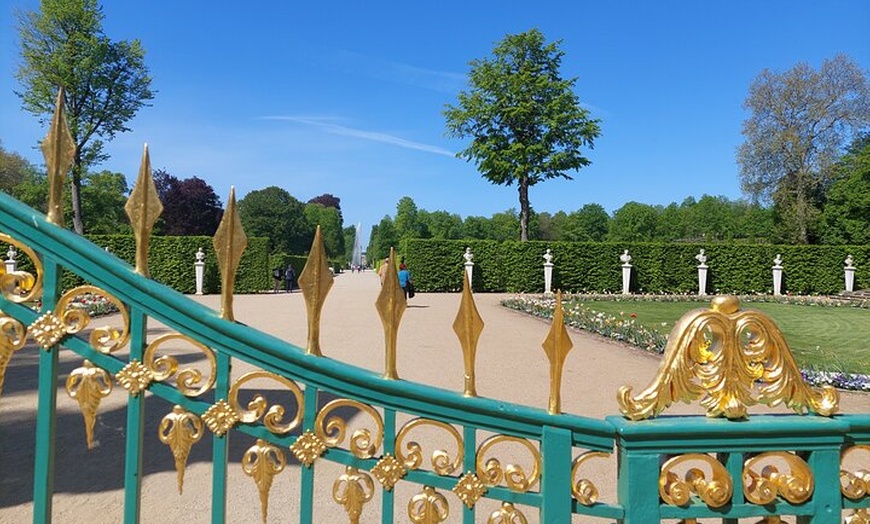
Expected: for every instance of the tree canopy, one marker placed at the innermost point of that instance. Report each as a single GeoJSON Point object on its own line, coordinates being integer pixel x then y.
{"type": "Point", "coordinates": [800, 120]}
{"type": "Point", "coordinates": [273, 212]}
{"type": "Point", "coordinates": [190, 206]}
{"type": "Point", "coordinates": [105, 82]}
{"type": "Point", "coordinates": [524, 119]}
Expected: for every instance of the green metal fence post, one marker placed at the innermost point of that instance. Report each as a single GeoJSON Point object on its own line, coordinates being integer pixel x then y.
{"type": "Point", "coordinates": [556, 475]}
{"type": "Point", "coordinates": [135, 423]}
{"type": "Point", "coordinates": [637, 485]}
{"type": "Point", "coordinates": [825, 465]}
{"type": "Point", "coordinates": [220, 451]}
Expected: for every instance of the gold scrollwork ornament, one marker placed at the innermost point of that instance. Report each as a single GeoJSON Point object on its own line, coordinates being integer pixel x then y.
{"type": "Point", "coordinates": [441, 461]}
{"type": "Point", "coordinates": [89, 385]}
{"type": "Point", "coordinates": [13, 337]}
{"type": "Point", "coordinates": [715, 491]}
{"type": "Point", "coordinates": [257, 406]}
{"type": "Point", "coordinates": [363, 444]}
{"type": "Point", "coordinates": [21, 286]}
{"type": "Point", "coordinates": [762, 487]}
{"type": "Point", "coordinates": [166, 366]}
{"type": "Point", "coordinates": [105, 339]}
{"type": "Point", "coordinates": [492, 473]}
{"type": "Point", "coordinates": [262, 462]}
{"type": "Point", "coordinates": [428, 507]}
{"type": "Point", "coordinates": [352, 490]}
{"type": "Point", "coordinates": [584, 490]}
{"type": "Point", "coordinates": [180, 430]}
{"type": "Point", "coordinates": [860, 516]}
{"type": "Point", "coordinates": [854, 484]}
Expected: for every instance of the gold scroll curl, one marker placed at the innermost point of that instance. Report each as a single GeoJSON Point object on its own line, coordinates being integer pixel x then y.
{"type": "Point", "coordinates": [105, 339]}
{"type": "Point", "coordinates": [854, 484]}
{"type": "Point", "coordinates": [13, 336]}
{"type": "Point", "coordinates": [715, 491]}
{"type": "Point", "coordinates": [441, 462]}
{"type": "Point", "coordinates": [189, 381]}
{"type": "Point", "coordinates": [764, 480]}
{"type": "Point", "coordinates": [257, 406]}
{"type": "Point", "coordinates": [514, 476]}
{"type": "Point", "coordinates": [21, 286]}
{"type": "Point", "coordinates": [584, 490]}
{"type": "Point", "coordinates": [332, 429]}
{"type": "Point", "coordinates": [718, 355]}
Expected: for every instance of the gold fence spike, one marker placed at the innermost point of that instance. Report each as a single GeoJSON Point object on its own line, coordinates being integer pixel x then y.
{"type": "Point", "coordinates": [143, 208]}
{"type": "Point", "coordinates": [315, 280]}
{"type": "Point", "coordinates": [229, 243]}
{"type": "Point", "coordinates": [556, 346]}
{"type": "Point", "coordinates": [391, 305]}
{"type": "Point", "coordinates": [468, 326]}
{"type": "Point", "coordinates": [59, 149]}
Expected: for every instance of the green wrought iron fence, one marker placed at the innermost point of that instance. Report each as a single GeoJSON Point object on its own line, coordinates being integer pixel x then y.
{"type": "Point", "coordinates": [726, 466]}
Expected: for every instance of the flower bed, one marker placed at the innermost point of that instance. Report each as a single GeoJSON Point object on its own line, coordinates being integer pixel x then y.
{"type": "Point", "coordinates": [626, 329]}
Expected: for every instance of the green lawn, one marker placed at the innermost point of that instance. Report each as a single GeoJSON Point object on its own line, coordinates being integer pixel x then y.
{"type": "Point", "coordinates": [829, 338]}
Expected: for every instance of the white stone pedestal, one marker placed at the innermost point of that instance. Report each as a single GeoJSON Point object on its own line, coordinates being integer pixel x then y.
{"type": "Point", "coordinates": [626, 278]}
{"type": "Point", "coordinates": [777, 280]}
{"type": "Point", "coordinates": [548, 278]}
{"type": "Point", "coordinates": [702, 279]}
{"type": "Point", "coordinates": [199, 269]}
{"type": "Point", "coordinates": [850, 278]}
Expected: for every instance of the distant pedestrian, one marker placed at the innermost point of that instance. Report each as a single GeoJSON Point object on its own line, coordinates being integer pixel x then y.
{"type": "Point", "coordinates": [277, 276]}
{"type": "Point", "coordinates": [405, 281]}
{"type": "Point", "coordinates": [382, 271]}
{"type": "Point", "coordinates": [290, 278]}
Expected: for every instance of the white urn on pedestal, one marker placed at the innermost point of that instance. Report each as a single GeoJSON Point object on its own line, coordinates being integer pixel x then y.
{"type": "Point", "coordinates": [548, 272]}
{"type": "Point", "coordinates": [11, 264]}
{"type": "Point", "coordinates": [849, 274]}
{"type": "Point", "coordinates": [469, 265]}
{"type": "Point", "coordinates": [625, 258]}
{"type": "Point", "coordinates": [199, 269]}
{"type": "Point", "coordinates": [777, 275]}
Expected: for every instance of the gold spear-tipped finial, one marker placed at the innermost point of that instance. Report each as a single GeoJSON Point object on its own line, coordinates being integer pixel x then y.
{"type": "Point", "coordinates": [229, 243]}
{"type": "Point", "coordinates": [316, 281]}
{"type": "Point", "coordinates": [391, 305]}
{"type": "Point", "coordinates": [143, 207]}
{"type": "Point", "coordinates": [468, 326]}
{"type": "Point", "coordinates": [59, 150]}
{"type": "Point", "coordinates": [556, 346]}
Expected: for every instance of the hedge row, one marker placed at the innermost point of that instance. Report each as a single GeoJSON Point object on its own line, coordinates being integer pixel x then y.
{"type": "Point", "coordinates": [171, 262]}
{"type": "Point", "coordinates": [517, 267]}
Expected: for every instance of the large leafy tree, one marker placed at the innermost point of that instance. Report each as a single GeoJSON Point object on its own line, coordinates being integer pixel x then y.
{"type": "Point", "coordinates": [799, 122]}
{"type": "Point", "coordinates": [190, 206]}
{"type": "Point", "coordinates": [331, 227]}
{"type": "Point", "coordinates": [14, 169]}
{"type": "Point", "coordinates": [104, 195]}
{"type": "Point", "coordinates": [524, 119]}
{"type": "Point", "coordinates": [273, 212]}
{"type": "Point", "coordinates": [106, 82]}
{"type": "Point", "coordinates": [634, 222]}
{"type": "Point", "coordinates": [847, 210]}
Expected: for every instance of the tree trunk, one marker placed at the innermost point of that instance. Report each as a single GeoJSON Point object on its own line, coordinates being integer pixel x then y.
{"type": "Point", "coordinates": [523, 186]}
{"type": "Point", "coordinates": [76, 195]}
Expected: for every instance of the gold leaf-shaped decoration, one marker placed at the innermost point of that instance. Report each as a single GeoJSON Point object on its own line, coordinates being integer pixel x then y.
{"type": "Point", "coordinates": [468, 327]}
{"type": "Point", "coordinates": [134, 377]}
{"type": "Point", "coordinates": [854, 483]}
{"type": "Point", "coordinates": [507, 514]}
{"type": "Point", "coordinates": [315, 280]}
{"type": "Point", "coordinates": [584, 490]}
{"type": "Point", "coordinates": [59, 150]}
{"type": "Point", "coordinates": [469, 489]}
{"type": "Point", "coordinates": [860, 516]}
{"type": "Point", "coordinates": [389, 471]}
{"type": "Point", "coordinates": [717, 355]}
{"type": "Point", "coordinates": [332, 429]}
{"type": "Point", "coordinates": [256, 408]}
{"type": "Point", "coordinates": [428, 507]}
{"type": "Point", "coordinates": [229, 243]}
{"type": "Point", "coordinates": [391, 305]}
{"type": "Point", "coordinates": [164, 367]}
{"type": "Point", "coordinates": [143, 208]}
{"type": "Point", "coordinates": [765, 481]}
{"type": "Point", "coordinates": [71, 308]}
{"type": "Point", "coordinates": [21, 286]}
{"type": "Point", "coordinates": [715, 491]}
{"type": "Point", "coordinates": [308, 447]}
{"type": "Point", "coordinates": [492, 473]}
{"type": "Point", "coordinates": [89, 385]}
{"type": "Point", "coordinates": [556, 346]}
{"type": "Point", "coordinates": [13, 336]}
{"type": "Point", "coordinates": [352, 490]}
{"type": "Point", "coordinates": [180, 430]}
{"type": "Point", "coordinates": [220, 417]}
{"type": "Point", "coordinates": [441, 461]}
{"type": "Point", "coordinates": [262, 462]}
{"type": "Point", "coordinates": [47, 330]}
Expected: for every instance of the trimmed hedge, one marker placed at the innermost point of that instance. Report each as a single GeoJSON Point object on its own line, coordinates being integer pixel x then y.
{"type": "Point", "coordinates": [517, 267]}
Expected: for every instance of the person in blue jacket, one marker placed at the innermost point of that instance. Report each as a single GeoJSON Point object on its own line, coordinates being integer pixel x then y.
{"type": "Point", "coordinates": [405, 281]}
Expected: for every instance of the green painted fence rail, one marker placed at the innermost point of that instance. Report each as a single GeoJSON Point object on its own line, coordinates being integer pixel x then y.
{"type": "Point", "coordinates": [556, 441]}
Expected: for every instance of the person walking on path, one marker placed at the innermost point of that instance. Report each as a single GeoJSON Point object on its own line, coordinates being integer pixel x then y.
{"type": "Point", "coordinates": [405, 281]}
{"type": "Point", "coordinates": [382, 271]}
{"type": "Point", "coordinates": [289, 278]}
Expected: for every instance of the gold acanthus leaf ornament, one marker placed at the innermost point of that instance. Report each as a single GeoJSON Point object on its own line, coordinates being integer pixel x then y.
{"type": "Point", "coordinates": [352, 490]}
{"type": "Point", "coordinates": [89, 385]}
{"type": "Point", "coordinates": [13, 337]}
{"type": "Point", "coordinates": [180, 430]}
{"type": "Point", "coordinates": [428, 507]}
{"type": "Point", "coordinates": [507, 514]}
{"type": "Point", "coordinates": [719, 355]}
{"type": "Point", "coordinates": [262, 462]}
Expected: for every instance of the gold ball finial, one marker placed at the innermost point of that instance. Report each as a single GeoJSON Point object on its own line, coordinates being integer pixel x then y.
{"type": "Point", "coordinates": [725, 304]}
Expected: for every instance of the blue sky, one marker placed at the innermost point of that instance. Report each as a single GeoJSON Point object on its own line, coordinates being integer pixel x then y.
{"type": "Point", "coordinates": [348, 97]}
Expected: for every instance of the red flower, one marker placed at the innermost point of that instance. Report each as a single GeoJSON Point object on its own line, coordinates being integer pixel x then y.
{"type": "Point", "coordinates": [633, 315]}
